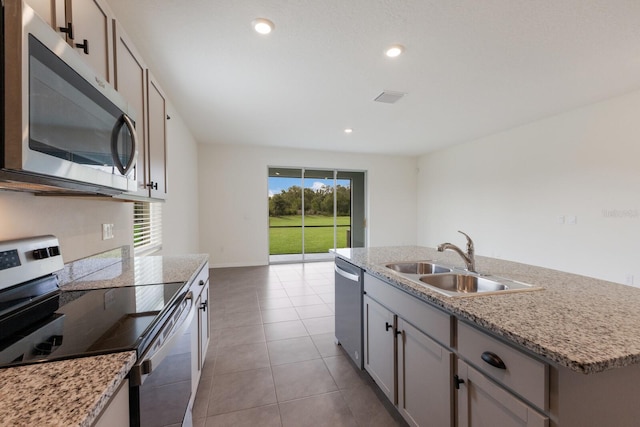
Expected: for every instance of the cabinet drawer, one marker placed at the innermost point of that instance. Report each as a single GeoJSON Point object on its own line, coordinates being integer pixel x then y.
{"type": "Point", "coordinates": [198, 284]}
{"type": "Point", "coordinates": [521, 373]}
{"type": "Point", "coordinates": [427, 318]}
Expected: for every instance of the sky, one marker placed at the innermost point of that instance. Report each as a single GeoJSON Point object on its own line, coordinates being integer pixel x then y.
{"type": "Point", "coordinates": [277, 184]}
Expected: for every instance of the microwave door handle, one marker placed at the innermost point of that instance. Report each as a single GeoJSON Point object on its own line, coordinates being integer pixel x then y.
{"type": "Point", "coordinates": [124, 120]}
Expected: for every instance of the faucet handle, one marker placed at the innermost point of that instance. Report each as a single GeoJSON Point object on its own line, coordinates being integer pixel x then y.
{"type": "Point", "coordinates": [469, 241]}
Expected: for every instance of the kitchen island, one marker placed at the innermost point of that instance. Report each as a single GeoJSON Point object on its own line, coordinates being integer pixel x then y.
{"type": "Point", "coordinates": [583, 330]}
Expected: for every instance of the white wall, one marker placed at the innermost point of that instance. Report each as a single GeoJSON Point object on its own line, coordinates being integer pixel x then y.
{"type": "Point", "coordinates": [180, 211]}
{"type": "Point", "coordinates": [234, 201]}
{"type": "Point", "coordinates": [76, 221]}
{"type": "Point", "coordinates": [508, 191]}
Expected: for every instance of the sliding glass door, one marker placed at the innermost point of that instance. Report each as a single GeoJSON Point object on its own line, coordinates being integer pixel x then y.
{"type": "Point", "coordinates": [312, 211]}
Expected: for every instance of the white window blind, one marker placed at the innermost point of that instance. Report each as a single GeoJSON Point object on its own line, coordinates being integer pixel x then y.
{"type": "Point", "coordinates": [147, 227]}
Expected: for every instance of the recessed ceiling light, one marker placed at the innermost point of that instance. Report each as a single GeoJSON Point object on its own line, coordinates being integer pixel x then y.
{"type": "Point", "coordinates": [262, 25]}
{"type": "Point", "coordinates": [348, 130]}
{"type": "Point", "coordinates": [394, 51]}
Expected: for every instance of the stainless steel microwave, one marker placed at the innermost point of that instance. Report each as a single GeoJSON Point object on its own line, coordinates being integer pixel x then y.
{"type": "Point", "coordinates": [63, 126]}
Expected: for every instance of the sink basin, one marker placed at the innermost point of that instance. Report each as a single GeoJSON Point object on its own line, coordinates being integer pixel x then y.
{"type": "Point", "coordinates": [418, 267]}
{"type": "Point", "coordinates": [463, 283]}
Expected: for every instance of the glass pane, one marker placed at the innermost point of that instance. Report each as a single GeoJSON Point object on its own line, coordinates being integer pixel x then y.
{"type": "Point", "coordinates": [285, 214]}
{"type": "Point", "coordinates": [319, 217]}
{"type": "Point", "coordinates": [343, 212]}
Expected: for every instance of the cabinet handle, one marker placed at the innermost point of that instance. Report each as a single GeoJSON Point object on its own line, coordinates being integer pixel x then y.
{"type": "Point", "coordinates": [68, 30]}
{"type": "Point", "coordinates": [493, 360]}
{"type": "Point", "coordinates": [84, 46]}
{"type": "Point", "coordinates": [201, 283]}
{"type": "Point", "coordinates": [387, 326]}
{"type": "Point", "coordinates": [457, 381]}
{"type": "Point", "coordinates": [204, 305]}
{"type": "Point", "coordinates": [153, 185]}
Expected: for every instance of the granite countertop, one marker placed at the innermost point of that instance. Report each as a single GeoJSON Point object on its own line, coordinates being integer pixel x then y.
{"type": "Point", "coordinates": [147, 270]}
{"type": "Point", "coordinates": [584, 324]}
{"type": "Point", "coordinates": [64, 393]}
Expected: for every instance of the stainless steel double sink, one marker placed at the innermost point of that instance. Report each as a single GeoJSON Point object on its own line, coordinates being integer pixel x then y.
{"type": "Point", "coordinates": [451, 281]}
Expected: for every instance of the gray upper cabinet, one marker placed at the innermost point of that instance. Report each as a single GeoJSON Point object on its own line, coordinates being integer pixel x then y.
{"type": "Point", "coordinates": [130, 82]}
{"type": "Point", "coordinates": [86, 26]}
{"type": "Point", "coordinates": [157, 139]}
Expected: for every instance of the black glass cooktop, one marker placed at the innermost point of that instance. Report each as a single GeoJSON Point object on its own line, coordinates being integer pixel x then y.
{"type": "Point", "coordinates": [81, 323]}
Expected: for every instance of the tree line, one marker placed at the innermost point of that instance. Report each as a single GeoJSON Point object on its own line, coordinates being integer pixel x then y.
{"type": "Point", "coordinates": [316, 202]}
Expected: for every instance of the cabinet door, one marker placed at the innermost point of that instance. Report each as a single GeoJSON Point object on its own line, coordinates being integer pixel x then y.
{"type": "Point", "coordinates": [204, 323]}
{"type": "Point", "coordinates": [157, 136]}
{"type": "Point", "coordinates": [130, 82]}
{"type": "Point", "coordinates": [379, 332]}
{"type": "Point", "coordinates": [92, 34]}
{"type": "Point", "coordinates": [483, 403]}
{"type": "Point", "coordinates": [424, 375]}
{"type": "Point", "coordinates": [195, 352]}
{"type": "Point", "coordinates": [45, 9]}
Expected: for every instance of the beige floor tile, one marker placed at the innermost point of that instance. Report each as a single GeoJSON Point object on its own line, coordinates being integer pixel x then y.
{"type": "Point", "coordinates": [325, 410]}
{"type": "Point", "coordinates": [264, 416]}
{"type": "Point", "coordinates": [233, 320]}
{"type": "Point", "coordinates": [303, 300]}
{"type": "Point", "coordinates": [311, 311]}
{"type": "Point", "coordinates": [292, 350]}
{"type": "Point", "coordinates": [328, 298]}
{"type": "Point", "coordinates": [320, 325]}
{"type": "Point", "coordinates": [325, 343]}
{"type": "Point", "coordinates": [302, 379]}
{"type": "Point", "coordinates": [230, 337]}
{"type": "Point", "coordinates": [299, 291]}
{"type": "Point", "coordinates": [270, 293]}
{"type": "Point", "coordinates": [241, 358]}
{"type": "Point", "coordinates": [344, 372]}
{"type": "Point", "coordinates": [241, 390]}
{"type": "Point", "coordinates": [279, 315]}
{"type": "Point", "coordinates": [367, 408]}
{"type": "Point", "coordinates": [284, 330]}
{"type": "Point", "coordinates": [273, 303]}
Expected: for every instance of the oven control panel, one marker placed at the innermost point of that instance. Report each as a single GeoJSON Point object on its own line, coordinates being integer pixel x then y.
{"type": "Point", "coordinates": [26, 259]}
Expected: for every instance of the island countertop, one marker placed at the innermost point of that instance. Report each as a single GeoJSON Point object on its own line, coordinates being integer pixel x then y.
{"type": "Point", "coordinates": [584, 324]}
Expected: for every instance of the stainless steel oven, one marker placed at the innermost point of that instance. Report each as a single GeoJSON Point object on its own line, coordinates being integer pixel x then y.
{"type": "Point", "coordinates": [62, 124]}
{"type": "Point", "coordinates": [161, 379]}
{"type": "Point", "coordinates": [39, 322]}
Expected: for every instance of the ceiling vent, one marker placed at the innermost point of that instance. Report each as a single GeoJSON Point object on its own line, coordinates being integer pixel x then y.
{"type": "Point", "coordinates": [389, 97]}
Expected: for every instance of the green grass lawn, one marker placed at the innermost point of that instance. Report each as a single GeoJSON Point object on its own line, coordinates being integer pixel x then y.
{"type": "Point", "coordinates": [318, 234]}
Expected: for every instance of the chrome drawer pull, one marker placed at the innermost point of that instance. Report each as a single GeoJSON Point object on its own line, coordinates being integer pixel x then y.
{"type": "Point", "coordinates": [493, 360]}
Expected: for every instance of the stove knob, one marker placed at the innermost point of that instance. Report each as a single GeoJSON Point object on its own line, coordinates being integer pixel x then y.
{"type": "Point", "coordinates": [54, 250]}
{"type": "Point", "coordinates": [41, 253]}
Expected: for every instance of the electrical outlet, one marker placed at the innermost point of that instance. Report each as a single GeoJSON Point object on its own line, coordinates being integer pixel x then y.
{"type": "Point", "coordinates": [572, 219]}
{"type": "Point", "coordinates": [107, 231]}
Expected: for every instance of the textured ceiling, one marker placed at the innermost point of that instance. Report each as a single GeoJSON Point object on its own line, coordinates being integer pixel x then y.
{"type": "Point", "coordinates": [471, 68]}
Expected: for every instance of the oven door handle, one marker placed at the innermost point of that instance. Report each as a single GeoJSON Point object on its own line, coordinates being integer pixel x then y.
{"type": "Point", "coordinates": [141, 370]}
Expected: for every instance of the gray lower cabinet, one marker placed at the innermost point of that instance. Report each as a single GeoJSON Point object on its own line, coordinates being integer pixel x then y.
{"type": "Point", "coordinates": [483, 403]}
{"type": "Point", "coordinates": [424, 378]}
{"type": "Point", "coordinates": [379, 346]}
{"type": "Point", "coordinates": [411, 369]}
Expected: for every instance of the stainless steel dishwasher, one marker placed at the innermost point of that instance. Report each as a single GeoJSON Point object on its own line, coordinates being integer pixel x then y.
{"type": "Point", "coordinates": [349, 287]}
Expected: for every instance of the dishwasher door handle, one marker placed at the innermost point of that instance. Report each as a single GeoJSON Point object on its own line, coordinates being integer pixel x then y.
{"type": "Point", "coordinates": [347, 275]}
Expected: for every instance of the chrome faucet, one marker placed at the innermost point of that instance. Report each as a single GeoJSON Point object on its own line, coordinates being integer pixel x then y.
{"type": "Point", "coordinates": [468, 257]}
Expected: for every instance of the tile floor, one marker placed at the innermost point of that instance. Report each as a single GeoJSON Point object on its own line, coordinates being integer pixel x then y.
{"type": "Point", "coordinates": [272, 360]}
